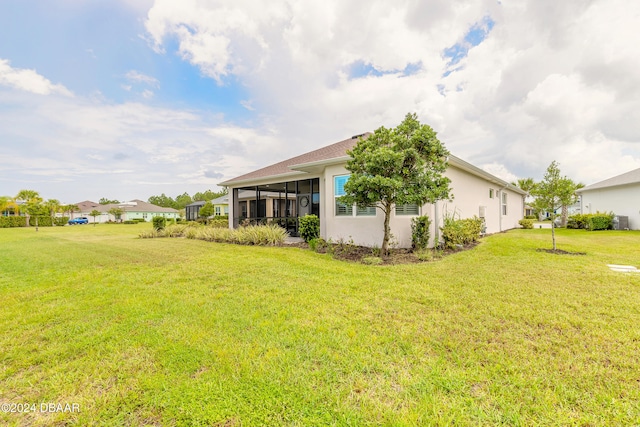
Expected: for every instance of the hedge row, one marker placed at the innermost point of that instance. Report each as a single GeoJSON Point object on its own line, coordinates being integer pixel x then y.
{"type": "Point", "coordinates": [593, 222]}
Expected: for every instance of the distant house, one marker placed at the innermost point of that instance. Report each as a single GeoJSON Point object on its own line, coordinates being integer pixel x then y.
{"type": "Point", "coordinates": [312, 183]}
{"type": "Point", "coordinates": [620, 195]}
{"type": "Point", "coordinates": [220, 207]}
{"type": "Point", "coordinates": [131, 210]}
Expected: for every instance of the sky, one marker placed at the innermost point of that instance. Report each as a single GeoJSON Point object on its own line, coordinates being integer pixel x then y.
{"type": "Point", "coordinates": [127, 99]}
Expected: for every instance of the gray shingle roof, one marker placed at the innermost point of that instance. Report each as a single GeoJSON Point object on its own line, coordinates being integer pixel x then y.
{"type": "Point", "coordinates": [632, 177]}
{"type": "Point", "coordinates": [339, 149]}
{"type": "Point", "coordinates": [131, 206]}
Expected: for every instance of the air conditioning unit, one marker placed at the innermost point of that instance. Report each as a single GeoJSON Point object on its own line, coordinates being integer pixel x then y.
{"type": "Point", "coordinates": [620, 222]}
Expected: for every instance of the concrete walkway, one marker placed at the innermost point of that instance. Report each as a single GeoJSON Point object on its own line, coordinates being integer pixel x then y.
{"type": "Point", "coordinates": [289, 240]}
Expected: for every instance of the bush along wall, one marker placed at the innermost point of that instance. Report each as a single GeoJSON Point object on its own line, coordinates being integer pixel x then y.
{"type": "Point", "coordinates": [420, 232]}
{"type": "Point", "coordinates": [461, 231]}
{"type": "Point", "coordinates": [309, 227]}
{"type": "Point", "coordinates": [593, 222]}
{"type": "Point", "coordinates": [12, 221]}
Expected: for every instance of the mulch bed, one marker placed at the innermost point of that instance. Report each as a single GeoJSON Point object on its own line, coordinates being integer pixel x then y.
{"type": "Point", "coordinates": [353, 253]}
{"type": "Point", "coordinates": [560, 252]}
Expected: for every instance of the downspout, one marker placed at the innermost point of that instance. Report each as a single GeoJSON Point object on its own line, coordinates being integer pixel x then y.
{"type": "Point", "coordinates": [436, 234]}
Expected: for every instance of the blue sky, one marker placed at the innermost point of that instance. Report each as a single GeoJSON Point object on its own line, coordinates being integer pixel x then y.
{"type": "Point", "coordinates": [126, 100]}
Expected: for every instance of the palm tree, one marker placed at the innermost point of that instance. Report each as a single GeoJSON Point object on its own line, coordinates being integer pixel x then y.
{"type": "Point", "coordinates": [70, 209]}
{"type": "Point", "coordinates": [31, 199]}
{"type": "Point", "coordinates": [53, 206]}
{"type": "Point", "coordinates": [565, 208]}
{"type": "Point", "coordinates": [525, 184]}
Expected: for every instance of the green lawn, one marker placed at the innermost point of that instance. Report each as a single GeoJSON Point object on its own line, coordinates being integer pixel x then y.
{"type": "Point", "coordinates": [184, 332]}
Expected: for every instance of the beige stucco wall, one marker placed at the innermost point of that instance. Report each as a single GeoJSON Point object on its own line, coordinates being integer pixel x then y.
{"type": "Point", "coordinates": [470, 192]}
{"type": "Point", "coordinates": [623, 200]}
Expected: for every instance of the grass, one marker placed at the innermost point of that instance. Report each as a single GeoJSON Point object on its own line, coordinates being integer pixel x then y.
{"type": "Point", "coordinates": [186, 332]}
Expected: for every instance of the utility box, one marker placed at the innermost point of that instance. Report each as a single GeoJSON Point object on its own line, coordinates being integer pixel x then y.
{"type": "Point", "coordinates": [620, 222]}
{"type": "Point", "coordinates": [482, 212]}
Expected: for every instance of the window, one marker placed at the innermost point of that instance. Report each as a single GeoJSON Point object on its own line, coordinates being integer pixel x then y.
{"type": "Point", "coordinates": [226, 210]}
{"type": "Point", "coordinates": [491, 193]}
{"type": "Point", "coordinates": [504, 203]}
{"type": "Point", "coordinates": [343, 209]}
{"type": "Point", "coordinates": [217, 210]}
{"type": "Point", "coordinates": [243, 210]}
{"type": "Point", "coordinates": [368, 211]}
{"type": "Point", "coordinates": [408, 209]}
{"type": "Point", "coordinates": [338, 190]}
{"type": "Point", "coordinates": [276, 208]}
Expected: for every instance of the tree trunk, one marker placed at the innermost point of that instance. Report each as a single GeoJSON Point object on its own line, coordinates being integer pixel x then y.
{"type": "Point", "coordinates": [553, 232]}
{"type": "Point", "coordinates": [387, 229]}
{"type": "Point", "coordinates": [565, 215]}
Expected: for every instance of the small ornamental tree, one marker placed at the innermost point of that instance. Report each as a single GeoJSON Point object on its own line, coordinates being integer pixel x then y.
{"type": "Point", "coordinates": [206, 210]}
{"type": "Point", "coordinates": [94, 213]}
{"type": "Point", "coordinates": [399, 166]}
{"type": "Point", "coordinates": [117, 213]}
{"type": "Point", "coordinates": [552, 193]}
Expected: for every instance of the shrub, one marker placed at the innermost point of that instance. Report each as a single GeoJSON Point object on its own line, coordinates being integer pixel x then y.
{"type": "Point", "coordinates": [259, 235]}
{"type": "Point", "coordinates": [460, 231]}
{"type": "Point", "coordinates": [12, 221]}
{"type": "Point", "coordinates": [138, 220]}
{"type": "Point", "coordinates": [159, 222]}
{"type": "Point", "coordinates": [129, 221]}
{"type": "Point", "coordinates": [533, 217]}
{"type": "Point", "coordinates": [309, 227]}
{"type": "Point", "coordinates": [526, 223]}
{"type": "Point", "coordinates": [43, 221]}
{"type": "Point", "coordinates": [578, 221]}
{"type": "Point", "coordinates": [420, 232]}
{"type": "Point", "coordinates": [601, 221]}
{"type": "Point", "coordinates": [219, 222]}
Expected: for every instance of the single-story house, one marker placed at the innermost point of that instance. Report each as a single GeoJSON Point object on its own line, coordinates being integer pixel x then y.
{"type": "Point", "coordinates": [130, 210]}
{"type": "Point", "coordinates": [220, 207]}
{"type": "Point", "coordinates": [620, 195]}
{"type": "Point", "coordinates": [313, 182]}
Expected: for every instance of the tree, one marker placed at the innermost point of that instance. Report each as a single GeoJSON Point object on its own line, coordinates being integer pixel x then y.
{"type": "Point", "coordinates": [8, 204]}
{"type": "Point", "coordinates": [399, 166]}
{"type": "Point", "coordinates": [53, 207]}
{"type": "Point", "coordinates": [206, 210]}
{"type": "Point", "coordinates": [105, 201]}
{"type": "Point", "coordinates": [116, 212]}
{"type": "Point", "coordinates": [553, 192]}
{"type": "Point", "coordinates": [525, 184]}
{"type": "Point", "coordinates": [70, 209]}
{"type": "Point", "coordinates": [32, 201]}
{"type": "Point", "coordinates": [565, 208]}
{"type": "Point", "coordinates": [163, 201]}
{"type": "Point", "coordinates": [183, 200]}
{"type": "Point", "coordinates": [94, 213]}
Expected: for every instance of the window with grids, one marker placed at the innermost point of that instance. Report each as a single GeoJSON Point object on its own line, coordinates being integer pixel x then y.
{"type": "Point", "coordinates": [504, 203]}
{"type": "Point", "coordinates": [368, 211]}
{"type": "Point", "coordinates": [408, 209]}
{"type": "Point", "coordinates": [338, 191]}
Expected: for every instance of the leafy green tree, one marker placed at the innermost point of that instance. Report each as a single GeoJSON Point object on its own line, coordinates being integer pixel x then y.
{"type": "Point", "coordinates": [105, 201]}
{"type": "Point", "coordinates": [163, 200]}
{"type": "Point", "coordinates": [94, 213]}
{"type": "Point", "coordinates": [8, 204]}
{"type": "Point", "coordinates": [399, 166]}
{"type": "Point", "coordinates": [553, 192]}
{"type": "Point", "coordinates": [183, 200]}
{"type": "Point", "coordinates": [116, 212]}
{"type": "Point", "coordinates": [206, 210]}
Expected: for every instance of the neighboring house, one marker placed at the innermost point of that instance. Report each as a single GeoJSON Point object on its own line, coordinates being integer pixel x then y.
{"type": "Point", "coordinates": [313, 182]}
{"type": "Point", "coordinates": [220, 207]}
{"type": "Point", "coordinates": [131, 210]}
{"type": "Point", "coordinates": [620, 195]}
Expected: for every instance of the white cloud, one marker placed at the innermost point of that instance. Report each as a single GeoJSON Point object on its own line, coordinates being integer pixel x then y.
{"type": "Point", "coordinates": [550, 80]}
{"type": "Point", "coordinates": [138, 77]}
{"type": "Point", "coordinates": [28, 80]}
